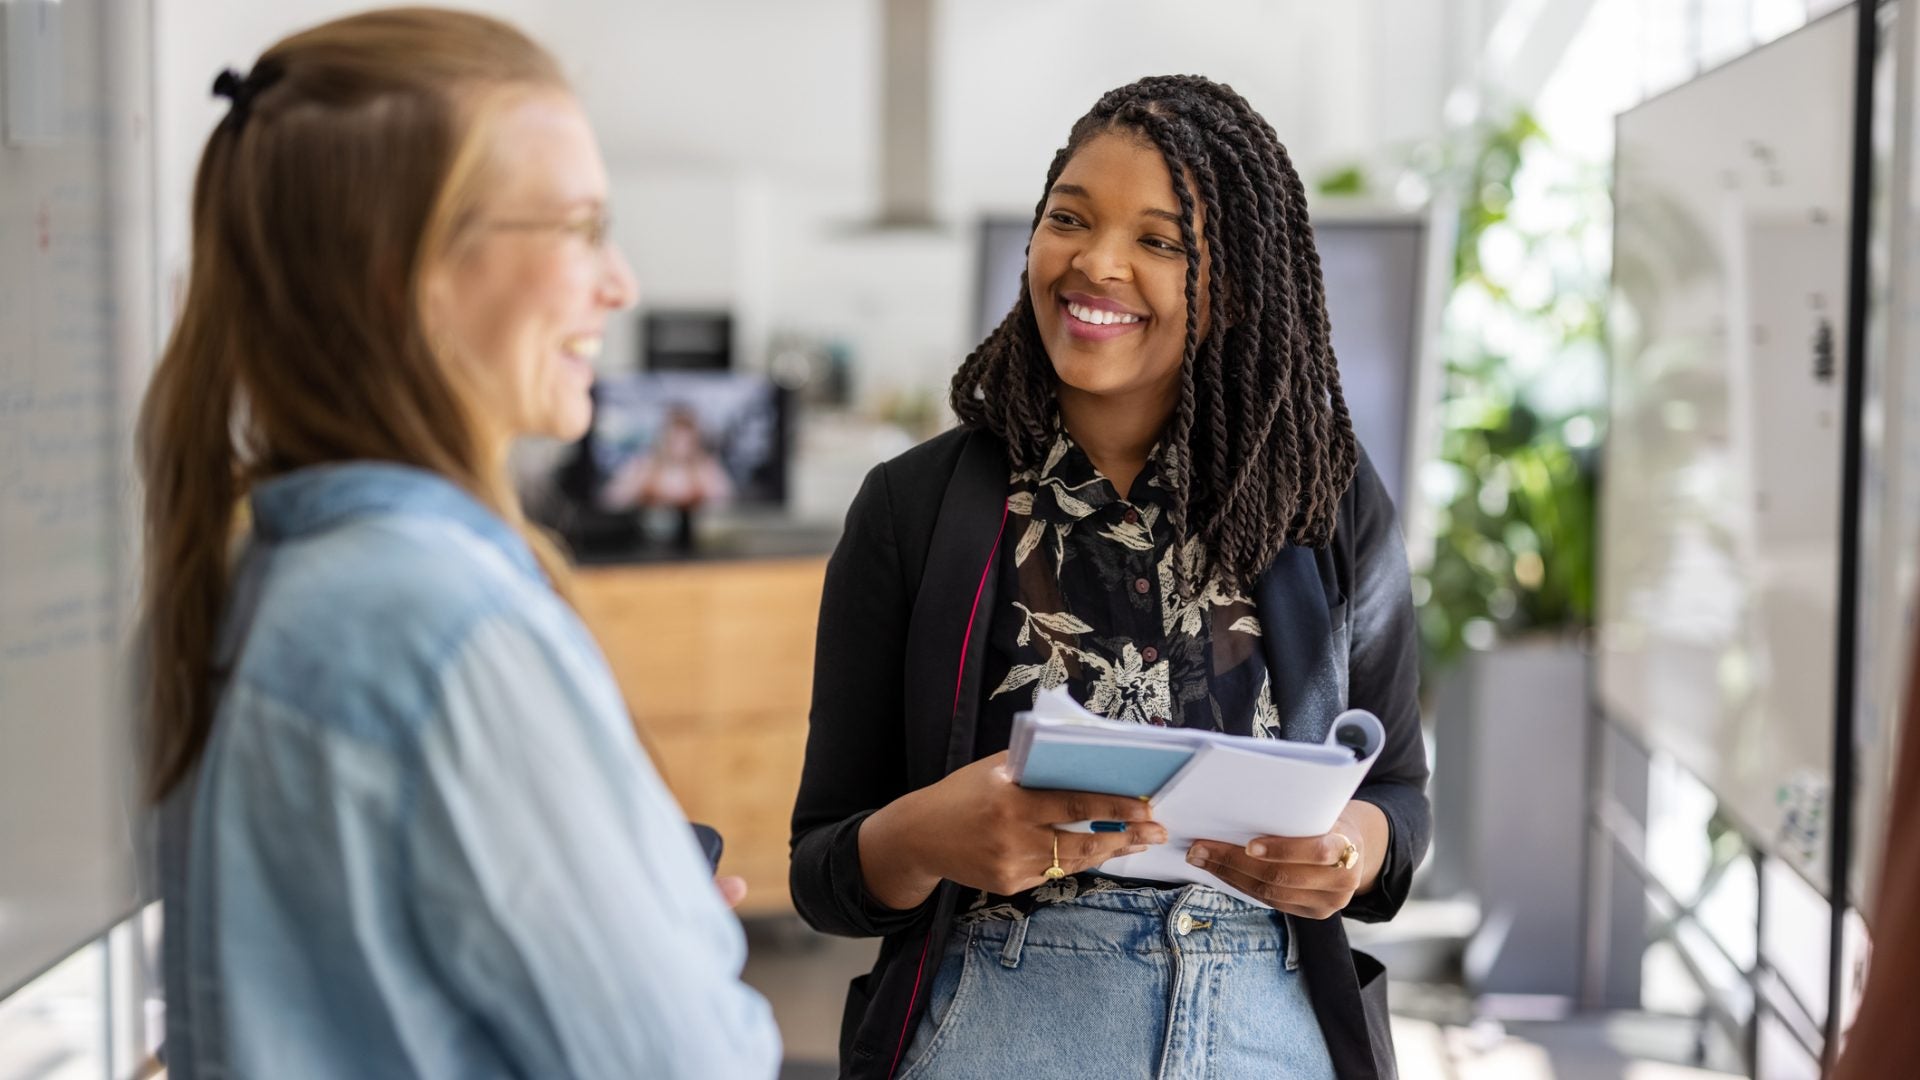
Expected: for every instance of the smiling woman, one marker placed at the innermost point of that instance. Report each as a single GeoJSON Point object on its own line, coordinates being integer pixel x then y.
{"type": "Point", "coordinates": [520, 305]}
{"type": "Point", "coordinates": [1156, 501]}
{"type": "Point", "coordinates": [1107, 275]}
{"type": "Point", "coordinates": [405, 829]}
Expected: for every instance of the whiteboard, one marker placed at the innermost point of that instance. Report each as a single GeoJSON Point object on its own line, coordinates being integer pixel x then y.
{"type": "Point", "coordinates": [1719, 537]}
{"type": "Point", "coordinates": [1890, 490]}
{"type": "Point", "coordinates": [76, 336]}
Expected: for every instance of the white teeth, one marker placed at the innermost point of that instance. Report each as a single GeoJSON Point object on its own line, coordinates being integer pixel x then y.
{"type": "Point", "coordinates": [1099, 317]}
{"type": "Point", "coordinates": [582, 346]}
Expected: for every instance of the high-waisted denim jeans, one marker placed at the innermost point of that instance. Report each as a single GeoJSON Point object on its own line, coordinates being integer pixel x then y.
{"type": "Point", "coordinates": [1164, 983]}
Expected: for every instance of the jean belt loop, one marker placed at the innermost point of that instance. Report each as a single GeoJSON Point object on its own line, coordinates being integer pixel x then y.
{"type": "Point", "coordinates": [1016, 940]}
{"type": "Point", "coordinates": [1293, 944]}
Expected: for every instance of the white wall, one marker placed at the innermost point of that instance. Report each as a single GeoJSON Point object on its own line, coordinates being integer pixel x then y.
{"type": "Point", "coordinates": [1335, 80]}
{"type": "Point", "coordinates": [688, 99]}
{"type": "Point", "coordinates": [741, 132]}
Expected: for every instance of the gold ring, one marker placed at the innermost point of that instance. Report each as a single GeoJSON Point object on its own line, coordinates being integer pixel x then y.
{"type": "Point", "coordinates": [1349, 856]}
{"type": "Point", "coordinates": [1054, 872]}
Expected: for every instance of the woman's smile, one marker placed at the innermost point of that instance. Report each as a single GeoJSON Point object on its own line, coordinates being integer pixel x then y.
{"type": "Point", "coordinates": [1093, 318]}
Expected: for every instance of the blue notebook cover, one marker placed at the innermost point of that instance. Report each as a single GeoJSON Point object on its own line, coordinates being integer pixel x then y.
{"type": "Point", "coordinates": [1134, 771]}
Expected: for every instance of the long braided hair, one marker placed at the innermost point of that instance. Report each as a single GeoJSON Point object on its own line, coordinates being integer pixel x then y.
{"type": "Point", "coordinates": [1261, 441]}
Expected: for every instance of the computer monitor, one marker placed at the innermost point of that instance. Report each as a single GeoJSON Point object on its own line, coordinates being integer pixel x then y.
{"type": "Point", "coordinates": [677, 438]}
{"type": "Point", "coordinates": [684, 441]}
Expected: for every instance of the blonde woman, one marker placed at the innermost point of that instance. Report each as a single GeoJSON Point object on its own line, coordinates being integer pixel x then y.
{"type": "Point", "coordinates": [406, 828]}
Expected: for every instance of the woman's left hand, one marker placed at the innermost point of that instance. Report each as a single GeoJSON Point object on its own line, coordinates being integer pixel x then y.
{"type": "Point", "coordinates": [1302, 875]}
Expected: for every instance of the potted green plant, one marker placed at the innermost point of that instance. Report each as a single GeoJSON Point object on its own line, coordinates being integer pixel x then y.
{"type": "Point", "coordinates": [1506, 592]}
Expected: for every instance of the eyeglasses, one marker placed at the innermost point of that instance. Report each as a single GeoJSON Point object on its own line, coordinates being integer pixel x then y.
{"type": "Point", "coordinates": [595, 229]}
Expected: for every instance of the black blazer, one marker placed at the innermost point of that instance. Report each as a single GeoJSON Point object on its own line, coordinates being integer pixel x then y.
{"type": "Point", "coordinates": [896, 692]}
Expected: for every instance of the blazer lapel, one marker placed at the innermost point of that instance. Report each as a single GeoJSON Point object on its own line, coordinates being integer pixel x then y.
{"type": "Point", "coordinates": [946, 638]}
{"type": "Point", "coordinates": [1301, 614]}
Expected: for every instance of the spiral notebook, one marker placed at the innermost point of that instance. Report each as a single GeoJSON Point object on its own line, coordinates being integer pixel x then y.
{"type": "Point", "coordinates": [1203, 785]}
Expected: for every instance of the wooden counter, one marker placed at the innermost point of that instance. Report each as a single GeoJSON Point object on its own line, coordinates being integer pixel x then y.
{"type": "Point", "coordinates": [716, 661]}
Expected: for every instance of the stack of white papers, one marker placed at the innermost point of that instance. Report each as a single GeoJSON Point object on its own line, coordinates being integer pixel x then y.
{"type": "Point", "coordinates": [1203, 785]}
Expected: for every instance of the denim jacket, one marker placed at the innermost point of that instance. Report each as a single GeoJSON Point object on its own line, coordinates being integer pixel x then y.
{"type": "Point", "coordinates": [423, 840]}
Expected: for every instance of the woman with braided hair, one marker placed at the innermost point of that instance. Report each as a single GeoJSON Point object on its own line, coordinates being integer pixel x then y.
{"type": "Point", "coordinates": [1155, 499]}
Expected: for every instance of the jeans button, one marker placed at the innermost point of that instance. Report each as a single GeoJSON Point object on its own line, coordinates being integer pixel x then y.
{"type": "Point", "coordinates": [1183, 924]}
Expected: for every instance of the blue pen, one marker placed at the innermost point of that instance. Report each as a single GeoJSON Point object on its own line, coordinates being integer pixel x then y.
{"type": "Point", "coordinates": [1093, 827]}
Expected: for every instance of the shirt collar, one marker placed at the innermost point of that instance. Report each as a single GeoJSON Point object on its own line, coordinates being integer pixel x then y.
{"type": "Point", "coordinates": [1067, 487]}
{"type": "Point", "coordinates": [313, 500]}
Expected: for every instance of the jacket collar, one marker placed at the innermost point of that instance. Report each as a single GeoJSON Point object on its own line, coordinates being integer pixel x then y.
{"type": "Point", "coordinates": [318, 498]}
{"type": "Point", "coordinates": [946, 639]}
{"type": "Point", "coordinates": [1301, 611]}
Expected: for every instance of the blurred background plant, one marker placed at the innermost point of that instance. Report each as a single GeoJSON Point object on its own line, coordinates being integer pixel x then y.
{"type": "Point", "coordinates": [1512, 485]}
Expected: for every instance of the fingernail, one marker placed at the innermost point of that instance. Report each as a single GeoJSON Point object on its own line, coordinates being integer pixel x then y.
{"type": "Point", "coordinates": [1109, 826]}
{"type": "Point", "coordinates": [1197, 855]}
{"type": "Point", "coordinates": [1256, 849]}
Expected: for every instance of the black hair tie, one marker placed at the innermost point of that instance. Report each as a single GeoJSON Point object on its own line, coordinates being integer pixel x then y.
{"type": "Point", "coordinates": [241, 91]}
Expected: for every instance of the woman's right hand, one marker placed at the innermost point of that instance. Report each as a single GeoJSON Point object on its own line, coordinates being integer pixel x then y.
{"type": "Point", "coordinates": [978, 828]}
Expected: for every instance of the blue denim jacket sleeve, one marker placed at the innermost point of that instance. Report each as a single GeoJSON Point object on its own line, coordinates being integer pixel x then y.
{"type": "Point", "coordinates": [584, 892]}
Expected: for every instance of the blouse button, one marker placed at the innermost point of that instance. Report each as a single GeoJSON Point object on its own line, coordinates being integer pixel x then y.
{"type": "Point", "coordinates": [1142, 586]}
{"type": "Point", "coordinates": [1157, 721]}
{"type": "Point", "coordinates": [1133, 517]}
{"type": "Point", "coordinates": [1149, 654]}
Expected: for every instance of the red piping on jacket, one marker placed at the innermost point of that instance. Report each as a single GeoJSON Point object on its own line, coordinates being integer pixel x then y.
{"type": "Point", "coordinates": [905, 1025]}
{"type": "Point", "coordinates": [959, 678]}
{"type": "Point", "coordinates": [960, 675]}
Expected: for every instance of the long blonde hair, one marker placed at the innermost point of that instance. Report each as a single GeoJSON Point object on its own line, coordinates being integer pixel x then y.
{"type": "Point", "coordinates": [346, 168]}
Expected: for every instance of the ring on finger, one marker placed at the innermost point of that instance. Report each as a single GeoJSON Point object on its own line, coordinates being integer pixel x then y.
{"type": "Point", "coordinates": [1055, 872]}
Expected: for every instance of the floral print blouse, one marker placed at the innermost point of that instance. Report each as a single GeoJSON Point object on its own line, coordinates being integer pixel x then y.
{"type": "Point", "coordinates": [1089, 602]}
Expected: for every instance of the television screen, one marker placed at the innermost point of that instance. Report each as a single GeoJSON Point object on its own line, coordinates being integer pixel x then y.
{"type": "Point", "coordinates": [686, 439]}
{"type": "Point", "coordinates": [677, 442]}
